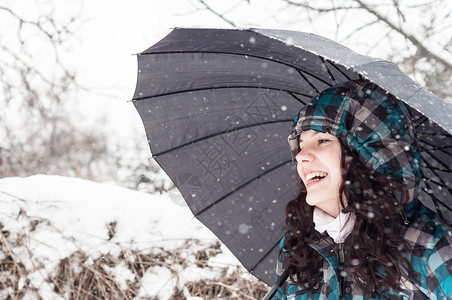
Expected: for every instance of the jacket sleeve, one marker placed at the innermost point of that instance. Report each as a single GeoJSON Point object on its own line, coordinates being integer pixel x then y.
{"type": "Point", "coordinates": [281, 294]}
{"type": "Point", "coordinates": [438, 268]}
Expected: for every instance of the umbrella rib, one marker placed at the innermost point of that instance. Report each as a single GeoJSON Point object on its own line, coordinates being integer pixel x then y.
{"type": "Point", "coordinates": [220, 133]}
{"type": "Point", "coordinates": [307, 80]}
{"type": "Point", "coordinates": [418, 122]}
{"type": "Point", "coordinates": [264, 256]}
{"type": "Point", "coordinates": [296, 98]}
{"type": "Point", "coordinates": [431, 154]}
{"type": "Point", "coordinates": [425, 134]}
{"type": "Point", "coordinates": [240, 187]}
{"type": "Point", "coordinates": [434, 199]}
{"type": "Point", "coordinates": [217, 88]}
{"type": "Point", "coordinates": [440, 183]}
{"type": "Point", "coordinates": [340, 71]}
{"type": "Point", "coordinates": [440, 149]}
{"type": "Point", "coordinates": [329, 71]}
{"type": "Point", "coordinates": [437, 169]}
{"type": "Point", "coordinates": [443, 204]}
{"type": "Point", "coordinates": [438, 209]}
{"type": "Point", "coordinates": [438, 161]}
{"type": "Point", "coordinates": [241, 54]}
{"type": "Point", "coordinates": [436, 148]}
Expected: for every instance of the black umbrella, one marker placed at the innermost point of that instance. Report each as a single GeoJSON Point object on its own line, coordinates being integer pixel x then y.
{"type": "Point", "coordinates": [218, 105]}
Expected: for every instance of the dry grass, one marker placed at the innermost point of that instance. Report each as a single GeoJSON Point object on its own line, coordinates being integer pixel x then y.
{"type": "Point", "coordinates": [89, 282]}
{"type": "Point", "coordinates": [11, 270]}
{"type": "Point", "coordinates": [229, 287]}
{"type": "Point", "coordinates": [81, 277]}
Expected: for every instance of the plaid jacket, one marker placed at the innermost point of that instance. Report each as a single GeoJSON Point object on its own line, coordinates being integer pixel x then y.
{"type": "Point", "coordinates": [431, 258]}
{"type": "Point", "coordinates": [377, 126]}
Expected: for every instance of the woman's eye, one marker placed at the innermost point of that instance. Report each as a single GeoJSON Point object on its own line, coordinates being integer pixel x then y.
{"type": "Point", "coordinates": [324, 141]}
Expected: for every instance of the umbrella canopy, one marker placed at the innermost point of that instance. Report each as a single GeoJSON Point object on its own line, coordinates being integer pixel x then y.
{"type": "Point", "coordinates": [218, 105]}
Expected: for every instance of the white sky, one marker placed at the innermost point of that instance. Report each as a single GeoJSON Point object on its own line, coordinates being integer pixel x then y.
{"type": "Point", "coordinates": [115, 31]}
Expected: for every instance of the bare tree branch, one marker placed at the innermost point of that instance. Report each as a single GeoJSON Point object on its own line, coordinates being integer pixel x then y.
{"type": "Point", "coordinates": [318, 9]}
{"type": "Point", "coordinates": [55, 36]}
{"type": "Point", "coordinates": [422, 48]}
{"type": "Point", "coordinates": [399, 11]}
{"type": "Point", "coordinates": [362, 27]}
{"type": "Point", "coordinates": [38, 131]}
{"type": "Point", "coordinates": [221, 16]}
{"type": "Point", "coordinates": [424, 54]}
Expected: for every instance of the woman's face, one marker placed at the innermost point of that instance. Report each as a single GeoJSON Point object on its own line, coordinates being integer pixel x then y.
{"type": "Point", "coordinates": [319, 166]}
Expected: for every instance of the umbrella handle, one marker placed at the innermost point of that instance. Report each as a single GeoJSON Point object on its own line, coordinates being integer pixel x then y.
{"type": "Point", "coordinates": [277, 285]}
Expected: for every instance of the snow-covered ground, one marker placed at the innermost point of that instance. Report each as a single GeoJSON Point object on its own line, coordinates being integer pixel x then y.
{"type": "Point", "coordinates": [48, 220]}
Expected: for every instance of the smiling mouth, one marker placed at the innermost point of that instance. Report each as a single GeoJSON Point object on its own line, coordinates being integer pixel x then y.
{"type": "Point", "coordinates": [315, 176]}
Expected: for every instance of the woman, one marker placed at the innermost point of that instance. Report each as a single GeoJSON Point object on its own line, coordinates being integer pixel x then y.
{"type": "Point", "coordinates": [357, 230]}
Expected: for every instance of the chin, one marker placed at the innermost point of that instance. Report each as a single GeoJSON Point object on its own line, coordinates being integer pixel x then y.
{"type": "Point", "coordinates": [311, 203]}
{"type": "Point", "coordinates": [326, 201]}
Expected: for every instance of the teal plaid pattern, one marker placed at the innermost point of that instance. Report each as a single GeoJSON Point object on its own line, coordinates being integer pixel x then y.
{"type": "Point", "coordinates": [431, 258]}
{"type": "Point", "coordinates": [376, 125]}
{"type": "Point", "coordinates": [370, 121]}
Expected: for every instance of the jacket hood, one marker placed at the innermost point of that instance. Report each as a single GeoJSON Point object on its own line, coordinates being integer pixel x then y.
{"type": "Point", "coordinates": [371, 122]}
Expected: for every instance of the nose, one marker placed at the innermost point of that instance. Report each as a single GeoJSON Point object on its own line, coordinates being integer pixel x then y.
{"type": "Point", "coordinates": [305, 155]}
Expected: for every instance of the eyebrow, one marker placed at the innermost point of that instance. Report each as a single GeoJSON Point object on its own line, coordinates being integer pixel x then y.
{"type": "Point", "coordinates": [314, 134]}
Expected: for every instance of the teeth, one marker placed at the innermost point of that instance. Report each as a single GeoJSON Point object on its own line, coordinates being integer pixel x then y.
{"type": "Point", "coordinates": [313, 176]}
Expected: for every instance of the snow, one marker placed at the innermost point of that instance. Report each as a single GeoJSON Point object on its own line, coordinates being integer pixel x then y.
{"type": "Point", "coordinates": [56, 217]}
{"type": "Point", "coordinates": [152, 281]}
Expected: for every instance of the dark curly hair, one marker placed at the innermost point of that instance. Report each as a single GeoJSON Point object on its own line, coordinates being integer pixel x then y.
{"type": "Point", "coordinates": [373, 199]}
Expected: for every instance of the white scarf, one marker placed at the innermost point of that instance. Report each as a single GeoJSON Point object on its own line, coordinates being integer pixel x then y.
{"type": "Point", "coordinates": [338, 228]}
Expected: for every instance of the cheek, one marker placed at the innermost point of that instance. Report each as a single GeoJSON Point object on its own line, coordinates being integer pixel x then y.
{"type": "Point", "coordinates": [335, 164]}
{"type": "Point", "coordinates": [299, 171]}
